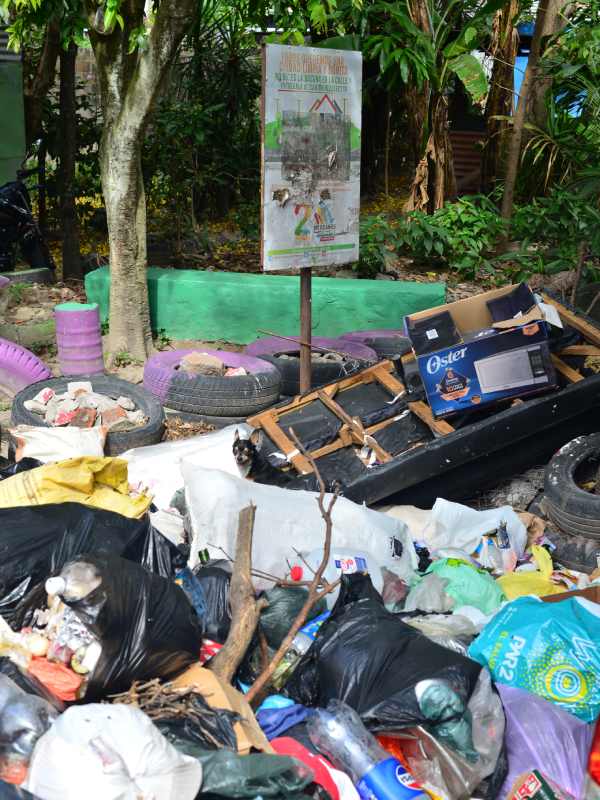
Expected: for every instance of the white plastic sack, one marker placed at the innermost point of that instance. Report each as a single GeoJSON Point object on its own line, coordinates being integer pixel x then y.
{"type": "Point", "coordinates": [287, 521]}
{"type": "Point", "coordinates": [158, 467]}
{"type": "Point", "coordinates": [110, 752]}
{"type": "Point", "coordinates": [459, 527]}
{"type": "Point", "coordinates": [57, 444]}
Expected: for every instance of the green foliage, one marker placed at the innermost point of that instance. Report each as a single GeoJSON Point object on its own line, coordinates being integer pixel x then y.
{"type": "Point", "coordinates": [550, 230]}
{"type": "Point", "coordinates": [378, 241]}
{"type": "Point", "coordinates": [17, 291]}
{"type": "Point", "coordinates": [125, 359]}
{"type": "Point", "coordinates": [461, 236]}
{"type": "Point", "coordinates": [162, 340]}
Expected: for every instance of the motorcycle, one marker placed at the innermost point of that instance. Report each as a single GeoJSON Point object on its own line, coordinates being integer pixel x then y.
{"type": "Point", "coordinates": [19, 227]}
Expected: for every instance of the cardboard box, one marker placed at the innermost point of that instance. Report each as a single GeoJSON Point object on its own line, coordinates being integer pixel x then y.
{"type": "Point", "coordinates": [487, 361]}
{"type": "Point", "coordinates": [221, 695]}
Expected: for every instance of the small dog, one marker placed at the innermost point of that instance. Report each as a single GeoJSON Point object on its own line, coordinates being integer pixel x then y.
{"type": "Point", "coordinates": [253, 465]}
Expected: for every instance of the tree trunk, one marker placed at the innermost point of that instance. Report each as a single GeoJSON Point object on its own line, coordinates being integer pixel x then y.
{"type": "Point", "coordinates": [503, 48]}
{"type": "Point", "coordinates": [39, 81]}
{"type": "Point", "coordinates": [129, 84]}
{"type": "Point", "coordinates": [71, 258]}
{"type": "Point", "coordinates": [434, 179]}
{"type": "Point", "coordinates": [388, 130]}
{"type": "Point", "coordinates": [123, 186]}
{"type": "Point", "coordinates": [555, 19]}
{"type": "Point", "coordinates": [418, 110]}
{"type": "Point", "coordinates": [513, 156]}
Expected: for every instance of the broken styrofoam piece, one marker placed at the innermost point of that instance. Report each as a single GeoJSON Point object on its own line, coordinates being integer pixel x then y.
{"type": "Point", "coordinates": [158, 466]}
{"type": "Point", "coordinates": [35, 407]}
{"type": "Point", "coordinates": [43, 396]}
{"type": "Point", "coordinates": [287, 521]}
{"type": "Point", "coordinates": [232, 372]}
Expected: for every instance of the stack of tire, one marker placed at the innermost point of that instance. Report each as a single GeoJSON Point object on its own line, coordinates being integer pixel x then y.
{"type": "Point", "coordinates": [218, 400]}
{"type": "Point", "coordinates": [385, 342]}
{"type": "Point", "coordinates": [572, 509]}
{"type": "Point", "coordinates": [285, 356]}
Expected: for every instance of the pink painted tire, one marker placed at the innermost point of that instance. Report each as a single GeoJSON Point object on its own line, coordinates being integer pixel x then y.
{"type": "Point", "coordinates": [217, 396]}
{"type": "Point", "coordinates": [19, 368]}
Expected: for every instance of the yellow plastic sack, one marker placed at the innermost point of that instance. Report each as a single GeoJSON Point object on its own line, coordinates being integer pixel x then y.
{"type": "Point", "coordinates": [518, 584]}
{"type": "Point", "coordinates": [97, 482]}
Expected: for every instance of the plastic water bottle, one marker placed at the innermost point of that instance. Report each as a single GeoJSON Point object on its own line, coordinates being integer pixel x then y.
{"type": "Point", "coordinates": [76, 580]}
{"type": "Point", "coordinates": [339, 734]}
{"type": "Point", "coordinates": [192, 587]}
{"type": "Point", "coordinates": [301, 643]}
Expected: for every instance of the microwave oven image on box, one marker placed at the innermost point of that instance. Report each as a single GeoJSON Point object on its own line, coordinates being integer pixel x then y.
{"type": "Point", "coordinates": [511, 370]}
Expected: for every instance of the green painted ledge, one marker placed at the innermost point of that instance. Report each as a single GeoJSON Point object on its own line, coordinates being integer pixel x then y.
{"type": "Point", "coordinates": [231, 306]}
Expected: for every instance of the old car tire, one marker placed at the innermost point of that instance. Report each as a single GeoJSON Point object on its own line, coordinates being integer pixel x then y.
{"type": "Point", "coordinates": [575, 552]}
{"type": "Point", "coordinates": [216, 396]}
{"type": "Point", "coordinates": [271, 348]}
{"type": "Point", "coordinates": [110, 385]}
{"type": "Point", "coordinates": [19, 368]}
{"type": "Point", "coordinates": [569, 506]}
{"type": "Point", "coordinates": [386, 343]}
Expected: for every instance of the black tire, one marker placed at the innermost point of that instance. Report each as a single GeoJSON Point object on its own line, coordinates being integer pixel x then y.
{"type": "Point", "coordinates": [118, 442]}
{"type": "Point", "coordinates": [388, 345]}
{"type": "Point", "coordinates": [570, 507]}
{"type": "Point", "coordinates": [213, 396]}
{"type": "Point", "coordinates": [322, 372]}
{"type": "Point", "coordinates": [575, 552]}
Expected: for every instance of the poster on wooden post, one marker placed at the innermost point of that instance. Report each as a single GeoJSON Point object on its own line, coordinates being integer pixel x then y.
{"type": "Point", "coordinates": [311, 128]}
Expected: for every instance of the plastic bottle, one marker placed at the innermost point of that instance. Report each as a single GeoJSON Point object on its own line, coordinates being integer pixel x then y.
{"type": "Point", "coordinates": [76, 581]}
{"type": "Point", "coordinates": [190, 584]}
{"type": "Point", "coordinates": [340, 562]}
{"type": "Point", "coordinates": [301, 643]}
{"type": "Point", "coordinates": [339, 734]}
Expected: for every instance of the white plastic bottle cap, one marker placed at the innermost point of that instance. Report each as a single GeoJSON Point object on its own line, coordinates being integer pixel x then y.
{"type": "Point", "coordinates": [55, 585]}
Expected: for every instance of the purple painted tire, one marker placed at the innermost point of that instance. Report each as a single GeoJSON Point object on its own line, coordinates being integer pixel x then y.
{"type": "Point", "coordinates": [387, 343]}
{"type": "Point", "coordinates": [19, 368]}
{"type": "Point", "coordinates": [217, 396]}
{"type": "Point", "coordinates": [272, 348]}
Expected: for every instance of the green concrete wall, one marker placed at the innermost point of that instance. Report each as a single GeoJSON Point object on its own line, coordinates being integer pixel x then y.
{"type": "Point", "coordinates": [12, 136]}
{"type": "Point", "coordinates": [229, 306]}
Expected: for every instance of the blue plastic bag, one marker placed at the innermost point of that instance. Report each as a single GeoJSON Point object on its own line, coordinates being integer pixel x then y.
{"type": "Point", "coordinates": [549, 649]}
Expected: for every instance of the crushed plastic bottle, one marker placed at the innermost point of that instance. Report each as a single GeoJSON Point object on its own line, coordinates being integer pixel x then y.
{"type": "Point", "coordinates": [339, 734]}
{"type": "Point", "coordinates": [77, 580]}
{"type": "Point", "coordinates": [301, 643]}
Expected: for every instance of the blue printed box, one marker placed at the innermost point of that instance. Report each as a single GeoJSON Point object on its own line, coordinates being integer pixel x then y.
{"type": "Point", "coordinates": [486, 361]}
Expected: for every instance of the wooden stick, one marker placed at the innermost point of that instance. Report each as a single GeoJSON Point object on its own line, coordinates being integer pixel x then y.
{"type": "Point", "coordinates": [305, 329]}
{"type": "Point", "coordinates": [261, 684]}
{"type": "Point", "coordinates": [303, 343]}
{"type": "Point", "coordinates": [245, 608]}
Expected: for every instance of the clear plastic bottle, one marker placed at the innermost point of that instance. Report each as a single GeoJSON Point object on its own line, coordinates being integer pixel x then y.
{"type": "Point", "coordinates": [339, 734]}
{"type": "Point", "coordinates": [299, 646]}
{"type": "Point", "coordinates": [76, 580]}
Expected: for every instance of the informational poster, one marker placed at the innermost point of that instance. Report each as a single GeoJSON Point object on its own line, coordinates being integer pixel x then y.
{"type": "Point", "coordinates": [311, 156]}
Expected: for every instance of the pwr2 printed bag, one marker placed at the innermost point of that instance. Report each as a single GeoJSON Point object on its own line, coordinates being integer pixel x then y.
{"type": "Point", "coordinates": [549, 649]}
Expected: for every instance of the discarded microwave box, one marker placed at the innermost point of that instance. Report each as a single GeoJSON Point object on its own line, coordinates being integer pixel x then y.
{"type": "Point", "coordinates": [219, 694]}
{"type": "Point", "coordinates": [481, 361]}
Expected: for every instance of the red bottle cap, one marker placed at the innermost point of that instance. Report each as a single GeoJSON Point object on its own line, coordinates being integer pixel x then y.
{"type": "Point", "coordinates": [296, 573]}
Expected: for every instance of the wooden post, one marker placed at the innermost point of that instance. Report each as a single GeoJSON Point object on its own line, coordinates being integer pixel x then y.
{"type": "Point", "coordinates": [305, 328]}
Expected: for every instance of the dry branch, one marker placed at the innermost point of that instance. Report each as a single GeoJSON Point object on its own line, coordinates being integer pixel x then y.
{"type": "Point", "coordinates": [261, 684]}
{"type": "Point", "coordinates": [245, 608]}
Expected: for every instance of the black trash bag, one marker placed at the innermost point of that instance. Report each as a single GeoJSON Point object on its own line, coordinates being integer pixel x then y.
{"type": "Point", "coordinates": [215, 579]}
{"type": "Point", "coordinates": [30, 684]}
{"type": "Point", "coordinates": [285, 603]}
{"type": "Point", "coordinates": [10, 468]}
{"type": "Point", "coordinates": [145, 624]}
{"type": "Point", "coordinates": [210, 728]}
{"type": "Point", "coordinates": [390, 673]}
{"type": "Point", "coordinates": [37, 541]}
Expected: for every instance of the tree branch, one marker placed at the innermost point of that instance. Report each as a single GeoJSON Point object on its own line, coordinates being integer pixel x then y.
{"type": "Point", "coordinates": [245, 608]}
{"type": "Point", "coordinates": [261, 684]}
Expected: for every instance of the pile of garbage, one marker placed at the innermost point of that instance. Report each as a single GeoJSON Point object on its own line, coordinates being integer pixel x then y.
{"type": "Point", "coordinates": [407, 653]}
{"type": "Point", "coordinates": [81, 407]}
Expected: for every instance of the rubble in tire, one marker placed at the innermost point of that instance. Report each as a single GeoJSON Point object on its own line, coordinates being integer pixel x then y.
{"type": "Point", "coordinates": [81, 407]}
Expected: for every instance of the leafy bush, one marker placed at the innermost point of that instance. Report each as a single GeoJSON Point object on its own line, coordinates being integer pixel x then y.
{"type": "Point", "coordinates": [378, 241]}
